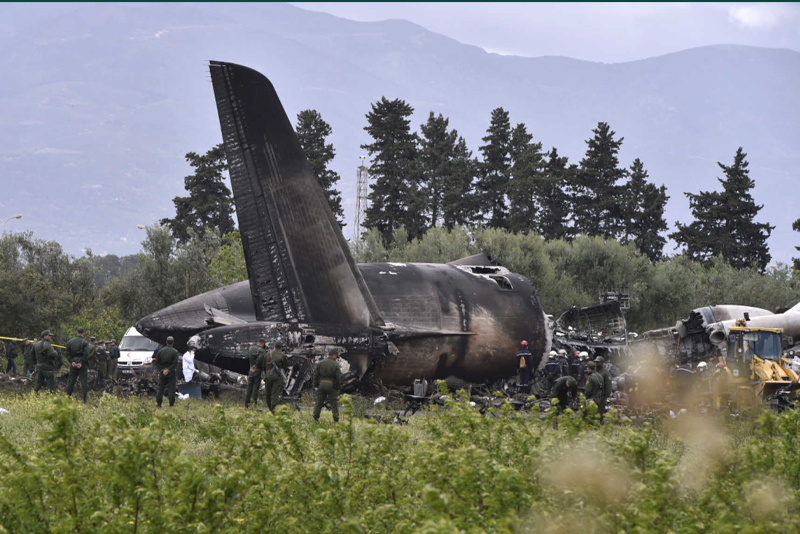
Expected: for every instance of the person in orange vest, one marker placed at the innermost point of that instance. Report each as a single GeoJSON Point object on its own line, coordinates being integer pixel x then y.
{"type": "Point", "coordinates": [524, 364]}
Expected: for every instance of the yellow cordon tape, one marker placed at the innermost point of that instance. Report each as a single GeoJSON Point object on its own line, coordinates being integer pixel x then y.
{"type": "Point", "coordinates": [22, 339]}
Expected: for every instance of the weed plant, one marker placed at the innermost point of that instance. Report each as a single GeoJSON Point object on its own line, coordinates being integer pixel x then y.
{"type": "Point", "coordinates": [124, 467]}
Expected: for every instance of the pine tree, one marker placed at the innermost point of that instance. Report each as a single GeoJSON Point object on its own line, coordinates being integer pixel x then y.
{"type": "Point", "coordinates": [597, 195]}
{"type": "Point", "coordinates": [447, 172]}
{"type": "Point", "coordinates": [527, 170]}
{"type": "Point", "coordinates": [724, 221]}
{"type": "Point", "coordinates": [495, 170]}
{"type": "Point", "coordinates": [395, 198]}
{"type": "Point", "coordinates": [437, 147]}
{"type": "Point", "coordinates": [643, 215]}
{"type": "Point", "coordinates": [209, 204]}
{"type": "Point", "coordinates": [460, 204]}
{"type": "Point", "coordinates": [554, 202]}
{"type": "Point", "coordinates": [312, 131]}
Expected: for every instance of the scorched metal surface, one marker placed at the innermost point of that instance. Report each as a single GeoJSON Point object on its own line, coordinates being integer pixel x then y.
{"type": "Point", "coordinates": [396, 322]}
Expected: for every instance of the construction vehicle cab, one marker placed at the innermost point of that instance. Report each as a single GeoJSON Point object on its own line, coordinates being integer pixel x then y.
{"type": "Point", "coordinates": [755, 357]}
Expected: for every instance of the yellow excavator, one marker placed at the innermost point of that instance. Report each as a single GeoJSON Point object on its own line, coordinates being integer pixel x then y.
{"type": "Point", "coordinates": [755, 358]}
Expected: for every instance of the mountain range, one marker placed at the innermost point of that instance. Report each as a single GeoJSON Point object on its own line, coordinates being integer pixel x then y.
{"type": "Point", "coordinates": [100, 102]}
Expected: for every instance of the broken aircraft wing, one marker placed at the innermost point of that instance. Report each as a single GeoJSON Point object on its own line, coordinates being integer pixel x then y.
{"type": "Point", "coordinates": [298, 262]}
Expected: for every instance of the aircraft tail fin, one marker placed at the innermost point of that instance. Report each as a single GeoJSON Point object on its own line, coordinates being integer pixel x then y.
{"type": "Point", "coordinates": [298, 261]}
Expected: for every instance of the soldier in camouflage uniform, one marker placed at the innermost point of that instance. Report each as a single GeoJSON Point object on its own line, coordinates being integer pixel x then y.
{"type": "Point", "coordinates": [600, 361]}
{"type": "Point", "coordinates": [594, 385]}
{"type": "Point", "coordinates": [103, 361]}
{"type": "Point", "coordinates": [276, 362]}
{"type": "Point", "coordinates": [167, 362]}
{"type": "Point", "coordinates": [328, 381]}
{"type": "Point", "coordinates": [565, 389]}
{"type": "Point", "coordinates": [47, 360]}
{"type": "Point", "coordinates": [30, 359]}
{"type": "Point", "coordinates": [258, 364]}
{"type": "Point", "coordinates": [113, 353]}
{"type": "Point", "coordinates": [78, 358]}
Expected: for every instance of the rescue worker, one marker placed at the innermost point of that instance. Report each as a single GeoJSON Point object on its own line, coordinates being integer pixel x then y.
{"type": "Point", "coordinates": [721, 385]}
{"type": "Point", "coordinates": [258, 364]}
{"type": "Point", "coordinates": [103, 361]}
{"type": "Point", "coordinates": [602, 371]}
{"type": "Point", "coordinates": [565, 390]}
{"type": "Point", "coordinates": [30, 358]}
{"type": "Point", "coordinates": [78, 358]}
{"type": "Point", "coordinates": [277, 364]}
{"type": "Point", "coordinates": [683, 376]}
{"type": "Point", "coordinates": [11, 354]}
{"type": "Point", "coordinates": [574, 365]}
{"type": "Point", "coordinates": [594, 385]}
{"type": "Point", "coordinates": [552, 369]}
{"type": "Point", "coordinates": [328, 382]}
{"type": "Point", "coordinates": [46, 359]}
{"type": "Point", "coordinates": [167, 362]}
{"type": "Point", "coordinates": [703, 381]}
{"type": "Point", "coordinates": [113, 353]}
{"type": "Point", "coordinates": [563, 362]}
{"type": "Point", "coordinates": [524, 364]}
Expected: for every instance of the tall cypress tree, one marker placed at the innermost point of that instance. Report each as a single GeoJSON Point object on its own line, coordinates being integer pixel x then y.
{"type": "Point", "coordinates": [312, 132]}
{"type": "Point", "coordinates": [643, 215]}
{"type": "Point", "coordinates": [395, 198]}
{"type": "Point", "coordinates": [209, 204]}
{"type": "Point", "coordinates": [460, 204]}
{"type": "Point", "coordinates": [527, 168]}
{"type": "Point", "coordinates": [724, 221]}
{"type": "Point", "coordinates": [437, 147]}
{"type": "Point", "coordinates": [553, 199]}
{"type": "Point", "coordinates": [447, 172]}
{"type": "Point", "coordinates": [495, 170]}
{"type": "Point", "coordinates": [596, 191]}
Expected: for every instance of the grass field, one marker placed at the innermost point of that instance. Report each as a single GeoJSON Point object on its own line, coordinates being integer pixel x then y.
{"type": "Point", "coordinates": [123, 466]}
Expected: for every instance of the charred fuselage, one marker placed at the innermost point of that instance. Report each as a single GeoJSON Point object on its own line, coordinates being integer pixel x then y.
{"type": "Point", "coordinates": [441, 321]}
{"type": "Point", "coordinates": [395, 322]}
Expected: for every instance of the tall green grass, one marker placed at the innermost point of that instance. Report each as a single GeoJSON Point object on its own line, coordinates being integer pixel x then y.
{"type": "Point", "coordinates": [123, 466]}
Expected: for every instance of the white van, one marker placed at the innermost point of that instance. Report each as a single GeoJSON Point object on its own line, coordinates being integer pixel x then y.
{"type": "Point", "coordinates": [135, 354]}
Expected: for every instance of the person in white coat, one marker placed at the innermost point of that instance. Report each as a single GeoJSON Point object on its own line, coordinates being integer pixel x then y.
{"type": "Point", "coordinates": [188, 364]}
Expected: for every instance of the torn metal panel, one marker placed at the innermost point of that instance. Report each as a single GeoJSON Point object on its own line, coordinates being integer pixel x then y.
{"type": "Point", "coordinates": [601, 323]}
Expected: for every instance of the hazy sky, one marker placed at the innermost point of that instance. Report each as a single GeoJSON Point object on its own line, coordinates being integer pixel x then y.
{"type": "Point", "coordinates": [611, 32]}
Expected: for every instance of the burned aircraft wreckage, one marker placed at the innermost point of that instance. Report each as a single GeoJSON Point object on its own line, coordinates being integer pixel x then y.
{"type": "Point", "coordinates": [394, 322]}
{"type": "Point", "coordinates": [703, 335]}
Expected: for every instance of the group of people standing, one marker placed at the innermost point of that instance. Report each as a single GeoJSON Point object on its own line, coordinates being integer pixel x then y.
{"type": "Point", "coordinates": [42, 359]}
{"type": "Point", "coordinates": [562, 376]}
{"type": "Point", "coordinates": [271, 368]}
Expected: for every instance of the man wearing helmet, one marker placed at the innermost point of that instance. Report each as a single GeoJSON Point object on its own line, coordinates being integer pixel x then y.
{"type": "Point", "coordinates": [703, 381]}
{"type": "Point", "coordinates": [524, 364]}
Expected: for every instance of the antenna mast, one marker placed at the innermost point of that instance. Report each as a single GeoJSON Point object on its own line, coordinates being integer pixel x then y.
{"type": "Point", "coordinates": [362, 175]}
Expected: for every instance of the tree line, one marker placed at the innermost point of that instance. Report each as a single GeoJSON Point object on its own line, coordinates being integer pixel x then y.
{"type": "Point", "coordinates": [573, 229]}
{"type": "Point", "coordinates": [430, 179]}
{"type": "Point", "coordinates": [41, 286]}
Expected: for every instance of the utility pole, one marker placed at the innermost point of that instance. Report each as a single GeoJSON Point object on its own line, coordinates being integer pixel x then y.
{"type": "Point", "coordinates": [362, 177]}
